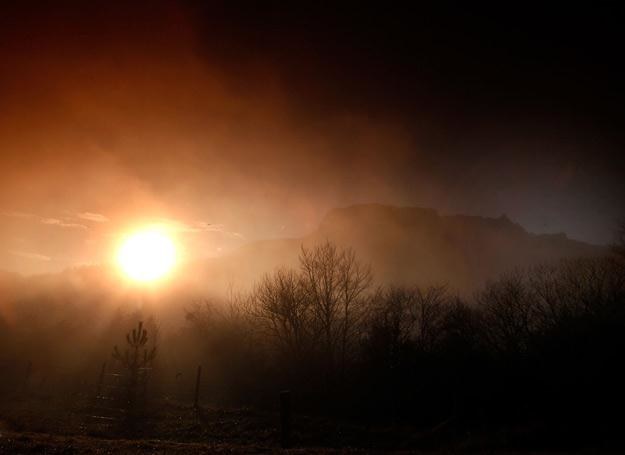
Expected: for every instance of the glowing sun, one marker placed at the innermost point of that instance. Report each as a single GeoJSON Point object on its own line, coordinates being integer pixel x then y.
{"type": "Point", "coordinates": [146, 255]}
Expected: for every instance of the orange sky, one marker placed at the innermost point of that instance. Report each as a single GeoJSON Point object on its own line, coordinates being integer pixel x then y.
{"type": "Point", "coordinates": [111, 117]}
{"type": "Point", "coordinates": [133, 136]}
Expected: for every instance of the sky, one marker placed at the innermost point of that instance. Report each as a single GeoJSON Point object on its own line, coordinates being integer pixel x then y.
{"type": "Point", "coordinates": [232, 121]}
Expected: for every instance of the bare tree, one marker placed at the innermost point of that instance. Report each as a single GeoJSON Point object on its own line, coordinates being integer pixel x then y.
{"type": "Point", "coordinates": [336, 285]}
{"type": "Point", "coordinates": [282, 307]}
{"type": "Point", "coordinates": [428, 315]}
{"type": "Point", "coordinates": [390, 318]}
{"type": "Point", "coordinates": [510, 313]}
{"type": "Point", "coordinates": [412, 316]}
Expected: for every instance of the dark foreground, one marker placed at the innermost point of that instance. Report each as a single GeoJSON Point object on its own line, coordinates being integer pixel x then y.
{"type": "Point", "coordinates": [66, 427]}
{"type": "Point", "coordinates": [26, 443]}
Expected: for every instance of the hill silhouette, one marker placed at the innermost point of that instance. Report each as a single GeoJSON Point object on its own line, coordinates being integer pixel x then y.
{"type": "Point", "coordinates": [409, 245]}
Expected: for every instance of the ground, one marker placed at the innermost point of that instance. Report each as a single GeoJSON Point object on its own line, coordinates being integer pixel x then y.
{"type": "Point", "coordinates": [68, 426]}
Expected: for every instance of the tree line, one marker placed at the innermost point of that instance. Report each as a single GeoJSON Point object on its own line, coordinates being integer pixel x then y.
{"type": "Point", "coordinates": [543, 345]}
{"type": "Point", "coordinates": [540, 343]}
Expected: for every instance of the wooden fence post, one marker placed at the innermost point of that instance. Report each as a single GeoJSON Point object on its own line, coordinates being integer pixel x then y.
{"type": "Point", "coordinates": [100, 381]}
{"type": "Point", "coordinates": [285, 418]}
{"type": "Point", "coordinates": [26, 383]}
{"type": "Point", "coordinates": [197, 387]}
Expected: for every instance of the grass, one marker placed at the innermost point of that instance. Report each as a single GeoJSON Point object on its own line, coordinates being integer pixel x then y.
{"type": "Point", "coordinates": [37, 425]}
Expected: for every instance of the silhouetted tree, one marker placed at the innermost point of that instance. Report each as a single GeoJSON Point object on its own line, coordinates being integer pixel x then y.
{"type": "Point", "coordinates": [336, 286]}
{"type": "Point", "coordinates": [509, 313]}
{"type": "Point", "coordinates": [284, 312]}
{"type": "Point", "coordinates": [412, 316]}
{"type": "Point", "coordinates": [135, 361]}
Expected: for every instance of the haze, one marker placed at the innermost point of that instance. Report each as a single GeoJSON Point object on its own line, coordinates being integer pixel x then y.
{"type": "Point", "coordinates": [235, 125]}
{"type": "Point", "coordinates": [324, 226]}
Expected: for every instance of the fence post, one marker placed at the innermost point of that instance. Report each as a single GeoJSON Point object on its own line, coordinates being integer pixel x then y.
{"type": "Point", "coordinates": [285, 418]}
{"type": "Point", "coordinates": [197, 387]}
{"type": "Point", "coordinates": [100, 381]}
{"type": "Point", "coordinates": [26, 382]}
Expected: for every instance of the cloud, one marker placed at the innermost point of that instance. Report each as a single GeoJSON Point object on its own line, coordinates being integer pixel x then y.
{"type": "Point", "coordinates": [199, 227]}
{"type": "Point", "coordinates": [202, 226]}
{"type": "Point", "coordinates": [181, 226]}
{"type": "Point", "coordinates": [27, 255]}
{"type": "Point", "coordinates": [236, 235]}
{"type": "Point", "coordinates": [95, 217]}
{"type": "Point", "coordinates": [208, 227]}
{"type": "Point", "coordinates": [43, 220]}
{"type": "Point", "coordinates": [18, 215]}
{"type": "Point", "coordinates": [61, 223]}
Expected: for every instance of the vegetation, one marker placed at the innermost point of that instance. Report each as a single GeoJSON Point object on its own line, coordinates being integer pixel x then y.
{"type": "Point", "coordinates": [539, 349]}
{"type": "Point", "coordinates": [135, 364]}
{"type": "Point", "coordinates": [538, 345]}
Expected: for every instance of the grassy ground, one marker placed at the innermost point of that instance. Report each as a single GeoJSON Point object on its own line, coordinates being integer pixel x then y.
{"type": "Point", "coordinates": [38, 443]}
{"type": "Point", "coordinates": [67, 427]}
{"type": "Point", "coordinates": [27, 443]}
{"type": "Point", "coordinates": [48, 427]}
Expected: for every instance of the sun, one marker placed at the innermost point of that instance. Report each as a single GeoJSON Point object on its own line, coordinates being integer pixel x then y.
{"type": "Point", "coordinates": [146, 255]}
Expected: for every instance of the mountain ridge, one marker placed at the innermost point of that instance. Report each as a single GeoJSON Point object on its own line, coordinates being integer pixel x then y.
{"type": "Point", "coordinates": [414, 245]}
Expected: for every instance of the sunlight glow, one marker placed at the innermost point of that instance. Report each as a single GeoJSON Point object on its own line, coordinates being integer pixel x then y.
{"type": "Point", "coordinates": [147, 255]}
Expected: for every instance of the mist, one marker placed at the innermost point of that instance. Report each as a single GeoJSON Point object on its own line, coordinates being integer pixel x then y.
{"type": "Point", "coordinates": [386, 229]}
{"type": "Point", "coordinates": [159, 121]}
